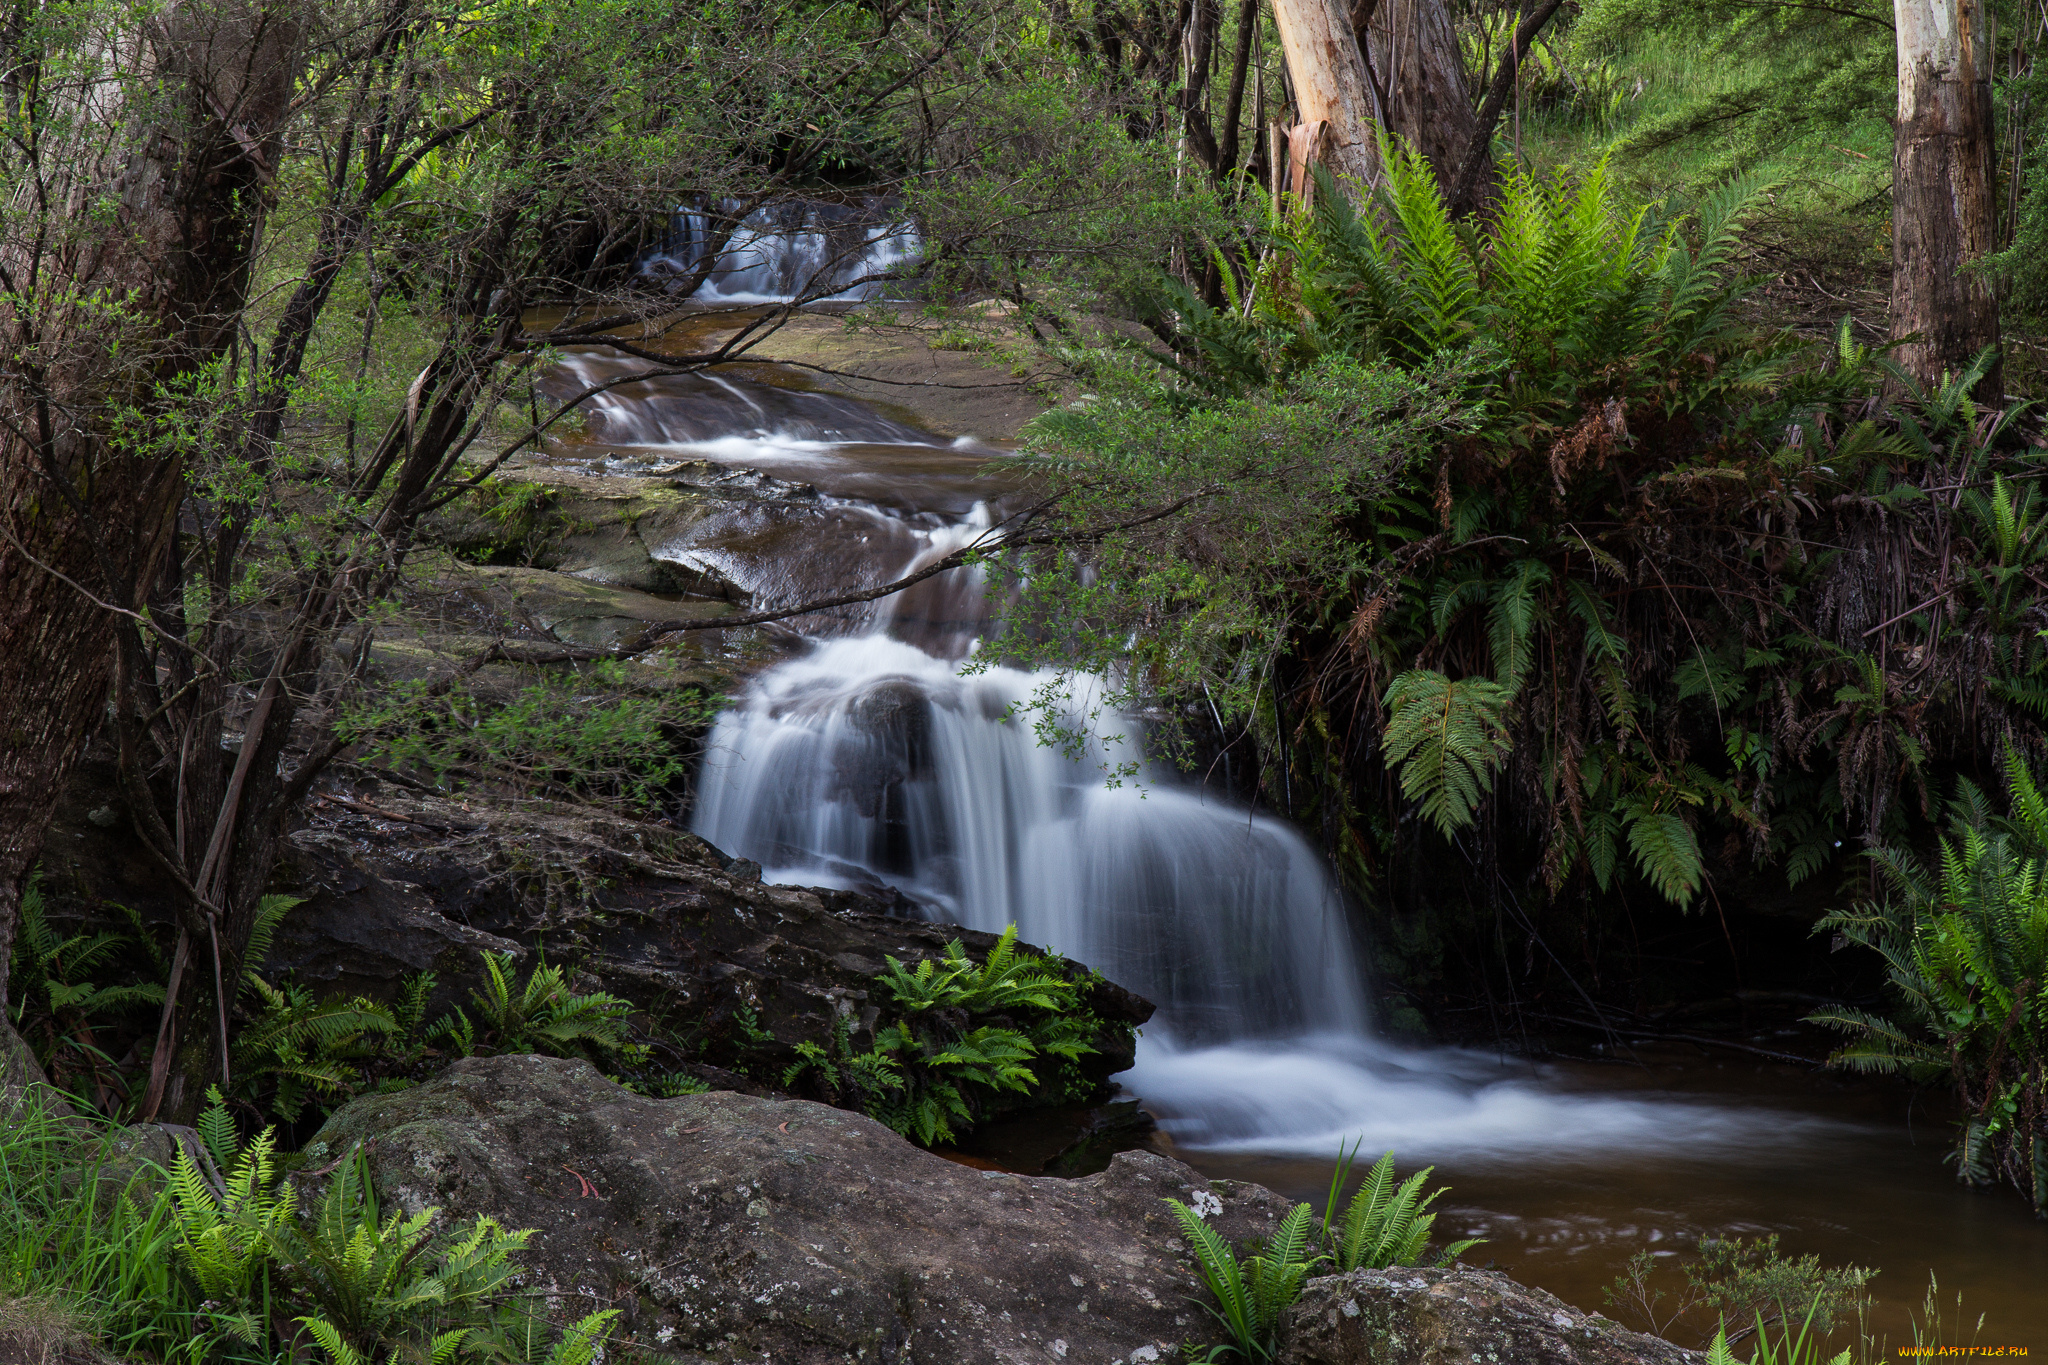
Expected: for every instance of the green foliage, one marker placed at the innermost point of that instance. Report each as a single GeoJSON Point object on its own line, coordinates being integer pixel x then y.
{"type": "Point", "coordinates": [86, 1230]}
{"type": "Point", "coordinates": [1747, 1280]}
{"type": "Point", "coordinates": [955, 1037]}
{"type": "Point", "coordinates": [58, 1006]}
{"type": "Point", "coordinates": [546, 1015]}
{"type": "Point", "coordinates": [296, 1048]}
{"type": "Point", "coordinates": [1789, 1347]}
{"type": "Point", "coordinates": [388, 1288]}
{"type": "Point", "coordinates": [1728, 84]}
{"type": "Point", "coordinates": [225, 1221]}
{"type": "Point", "coordinates": [1965, 946]}
{"type": "Point", "coordinates": [1385, 1224]}
{"type": "Point", "coordinates": [594, 734]}
{"type": "Point", "coordinates": [214, 1262]}
{"type": "Point", "coordinates": [1597, 617]}
{"type": "Point", "coordinates": [1250, 1292]}
{"type": "Point", "coordinates": [1005, 980]}
{"type": "Point", "coordinates": [1447, 738]}
{"type": "Point", "coordinates": [1788, 1303]}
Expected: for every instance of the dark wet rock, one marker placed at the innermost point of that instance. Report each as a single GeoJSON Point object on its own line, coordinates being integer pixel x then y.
{"type": "Point", "coordinates": [1406, 1316]}
{"type": "Point", "coordinates": [395, 881]}
{"type": "Point", "coordinates": [731, 1228]}
{"type": "Point", "coordinates": [659, 916]}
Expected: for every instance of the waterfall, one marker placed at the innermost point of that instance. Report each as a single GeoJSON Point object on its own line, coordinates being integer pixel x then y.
{"type": "Point", "coordinates": [884, 757]}
{"type": "Point", "coordinates": [871, 760]}
{"type": "Point", "coordinates": [786, 250]}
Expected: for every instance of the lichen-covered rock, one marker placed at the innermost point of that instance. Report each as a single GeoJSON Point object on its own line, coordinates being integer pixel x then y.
{"type": "Point", "coordinates": [1408, 1316]}
{"type": "Point", "coordinates": [21, 1078]}
{"type": "Point", "coordinates": [732, 1228]}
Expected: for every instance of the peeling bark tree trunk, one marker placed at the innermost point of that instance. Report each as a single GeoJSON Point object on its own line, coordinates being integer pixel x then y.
{"type": "Point", "coordinates": [124, 254]}
{"type": "Point", "coordinates": [1401, 67]}
{"type": "Point", "coordinates": [1943, 213]}
{"type": "Point", "coordinates": [1329, 79]}
{"type": "Point", "coordinates": [1411, 54]}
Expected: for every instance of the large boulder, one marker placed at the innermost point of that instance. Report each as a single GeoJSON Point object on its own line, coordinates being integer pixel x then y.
{"type": "Point", "coordinates": [1411, 1316]}
{"type": "Point", "coordinates": [731, 1228]}
{"type": "Point", "coordinates": [745, 970]}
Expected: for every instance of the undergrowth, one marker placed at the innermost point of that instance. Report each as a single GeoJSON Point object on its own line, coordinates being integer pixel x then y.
{"type": "Point", "coordinates": [955, 1037]}
{"type": "Point", "coordinates": [214, 1260]}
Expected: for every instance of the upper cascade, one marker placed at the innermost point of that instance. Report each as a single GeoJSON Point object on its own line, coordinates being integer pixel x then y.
{"type": "Point", "coordinates": [810, 249]}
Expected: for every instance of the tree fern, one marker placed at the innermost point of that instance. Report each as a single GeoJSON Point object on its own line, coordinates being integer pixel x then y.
{"type": "Point", "coordinates": [1447, 739]}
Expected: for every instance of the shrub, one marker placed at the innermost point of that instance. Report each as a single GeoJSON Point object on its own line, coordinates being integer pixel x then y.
{"type": "Point", "coordinates": [964, 1033]}
{"type": "Point", "coordinates": [215, 1262]}
{"type": "Point", "coordinates": [1965, 946]}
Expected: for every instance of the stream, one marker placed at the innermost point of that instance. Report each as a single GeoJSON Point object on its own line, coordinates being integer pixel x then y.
{"type": "Point", "coordinates": [871, 759]}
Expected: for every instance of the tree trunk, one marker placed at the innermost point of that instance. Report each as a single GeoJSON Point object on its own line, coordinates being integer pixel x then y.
{"type": "Point", "coordinates": [1472, 187]}
{"type": "Point", "coordinates": [1402, 69]}
{"type": "Point", "coordinates": [125, 262]}
{"type": "Point", "coordinates": [1944, 216]}
{"type": "Point", "coordinates": [1330, 85]}
{"type": "Point", "coordinates": [1411, 54]}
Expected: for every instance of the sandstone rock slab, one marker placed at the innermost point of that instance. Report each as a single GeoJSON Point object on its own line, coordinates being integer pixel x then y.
{"type": "Point", "coordinates": [729, 1228]}
{"type": "Point", "coordinates": [1413, 1316]}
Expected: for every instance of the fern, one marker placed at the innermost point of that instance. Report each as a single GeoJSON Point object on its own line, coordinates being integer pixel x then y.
{"type": "Point", "coordinates": [1965, 949]}
{"type": "Point", "coordinates": [1667, 853]}
{"type": "Point", "coordinates": [1447, 738]}
{"type": "Point", "coordinates": [381, 1285]}
{"type": "Point", "coordinates": [545, 1015]}
{"type": "Point", "coordinates": [224, 1228]}
{"type": "Point", "coordinates": [1385, 1224]}
{"type": "Point", "coordinates": [1251, 1294]}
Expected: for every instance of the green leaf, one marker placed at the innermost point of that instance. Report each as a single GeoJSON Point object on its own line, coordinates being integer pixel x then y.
{"type": "Point", "coordinates": [1668, 855]}
{"type": "Point", "coordinates": [1447, 739]}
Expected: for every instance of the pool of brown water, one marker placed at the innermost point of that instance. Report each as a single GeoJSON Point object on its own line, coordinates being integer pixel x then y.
{"type": "Point", "coordinates": [1865, 1185]}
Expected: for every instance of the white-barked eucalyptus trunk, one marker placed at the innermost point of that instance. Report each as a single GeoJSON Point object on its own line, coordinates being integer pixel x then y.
{"type": "Point", "coordinates": [1944, 216]}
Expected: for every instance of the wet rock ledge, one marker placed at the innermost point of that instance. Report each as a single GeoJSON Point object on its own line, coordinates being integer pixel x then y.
{"type": "Point", "coordinates": [730, 1228]}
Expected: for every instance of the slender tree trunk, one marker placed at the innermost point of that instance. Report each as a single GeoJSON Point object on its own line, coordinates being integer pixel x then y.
{"type": "Point", "coordinates": [1472, 186]}
{"type": "Point", "coordinates": [124, 256]}
{"type": "Point", "coordinates": [1944, 211]}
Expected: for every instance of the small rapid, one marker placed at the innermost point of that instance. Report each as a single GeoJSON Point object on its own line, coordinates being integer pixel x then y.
{"type": "Point", "coordinates": [810, 249]}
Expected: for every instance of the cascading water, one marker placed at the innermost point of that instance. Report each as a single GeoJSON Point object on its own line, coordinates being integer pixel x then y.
{"type": "Point", "coordinates": [874, 759]}
{"type": "Point", "coordinates": [786, 250]}
{"type": "Point", "coordinates": [880, 759]}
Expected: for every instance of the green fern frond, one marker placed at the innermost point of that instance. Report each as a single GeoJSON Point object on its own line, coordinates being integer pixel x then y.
{"type": "Point", "coordinates": [1447, 739]}
{"type": "Point", "coordinates": [1668, 854]}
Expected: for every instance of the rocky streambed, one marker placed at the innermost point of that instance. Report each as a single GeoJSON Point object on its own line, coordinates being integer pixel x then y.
{"type": "Point", "coordinates": [765, 1218]}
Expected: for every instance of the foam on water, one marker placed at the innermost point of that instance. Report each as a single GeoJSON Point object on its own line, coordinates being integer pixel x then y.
{"type": "Point", "coordinates": [1310, 1095]}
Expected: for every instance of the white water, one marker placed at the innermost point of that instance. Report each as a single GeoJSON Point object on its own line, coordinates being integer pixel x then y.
{"type": "Point", "coordinates": [818, 251]}
{"type": "Point", "coordinates": [871, 761]}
